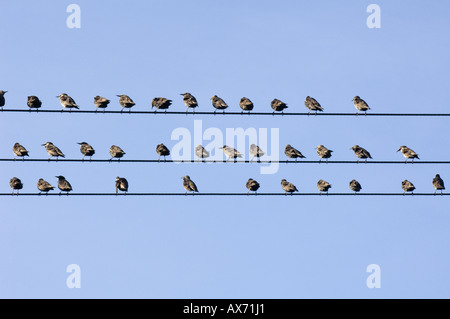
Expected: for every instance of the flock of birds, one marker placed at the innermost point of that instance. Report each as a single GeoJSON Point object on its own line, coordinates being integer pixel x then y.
{"type": "Point", "coordinates": [162, 103]}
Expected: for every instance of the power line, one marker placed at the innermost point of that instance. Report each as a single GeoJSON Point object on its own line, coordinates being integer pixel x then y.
{"type": "Point", "coordinates": [225, 194]}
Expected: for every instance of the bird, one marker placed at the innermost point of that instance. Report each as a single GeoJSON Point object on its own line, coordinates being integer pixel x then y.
{"type": "Point", "coordinates": [360, 152]}
{"type": "Point", "coordinates": [323, 186]}
{"type": "Point", "coordinates": [161, 103]}
{"type": "Point", "coordinates": [246, 104]}
{"type": "Point", "coordinates": [323, 152]}
{"type": "Point", "coordinates": [20, 151]}
{"type": "Point", "coordinates": [218, 103]}
{"type": "Point", "coordinates": [189, 185]}
{"type": "Point", "coordinates": [162, 150]}
{"type": "Point", "coordinates": [121, 184]}
{"type": "Point", "coordinates": [44, 186]}
{"type": "Point", "coordinates": [67, 102]}
{"type": "Point", "coordinates": [101, 102]}
{"type": "Point", "coordinates": [408, 153]}
{"type": "Point", "coordinates": [360, 105]}
{"type": "Point", "coordinates": [438, 184]}
{"type": "Point", "coordinates": [86, 150]}
{"type": "Point", "coordinates": [256, 151]}
{"type": "Point", "coordinates": [190, 101]}
{"type": "Point", "coordinates": [288, 187]}
{"type": "Point", "coordinates": [407, 186]}
{"type": "Point", "coordinates": [278, 105]}
{"type": "Point", "coordinates": [33, 102]}
{"type": "Point", "coordinates": [252, 185]}
{"type": "Point", "coordinates": [355, 186]}
{"type": "Point", "coordinates": [312, 105]}
{"type": "Point", "coordinates": [230, 152]}
{"type": "Point", "coordinates": [2, 98]}
{"type": "Point", "coordinates": [126, 102]}
{"type": "Point", "coordinates": [15, 184]}
{"type": "Point", "coordinates": [52, 150]}
{"type": "Point", "coordinates": [200, 152]}
{"type": "Point", "coordinates": [63, 184]}
{"type": "Point", "coordinates": [116, 152]}
{"type": "Point", "coordinates": [292, 152]}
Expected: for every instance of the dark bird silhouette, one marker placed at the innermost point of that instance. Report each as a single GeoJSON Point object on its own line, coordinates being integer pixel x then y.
{"type": "Point", "coordinates": [33, 102]}
{"type": "Point", "coordinates": [44, 186]}
{"type": "Point", "coordinates": [323, 186]}
{"type": "Point", "coordinates": [323, 152]}
{"type": "Point", "coordinates": [121, 184]}
{"type": "Point", "coordinates": [218, 103]}
{"type": "Point", "coordinates": [355, 186]}
{"type": "Point", "coordinates": [230, 152]}
{"type": "Point", "coordinates": [101, 103]}
{"type": "Point", "coordinates": [2, 98]}
{"type": "Point", "coordinates": [312, 105]}
{"type": "Point", "coordinates": [86, 150]}
{"type": "Point", "coordinates": [116, 152]}
{"type": "Point", "coordinates": [189, 185]}
{"type": "Point", "coordinates": [16, 184]}
{"type": "Point", "coordinates": [200, 152]}
{"type": "Point", "coordinates": [407, 186]}
{"type": "Point", "coordinates": [408, 153]}
{"type": "Point", "coordinates": [245, 104]}
{"type": "Point", "coordinates": [360, 105]}
{"type": "Point", "coordinates": [63, 184]}
{"type": "Point", "coordinates": [288, 187]}
{"type": "Point", "coordinates": [190, 101]}
{"type": "Point", "coordinates": [278, 105]}
{"type": "Point", "coordinates": [20, 151]}
{"type": "Point", "coordinates": [291, 152]}
{"type": "Point", "coordinates": [162, 150]}
{"type": "Point", "coordinates": [67, 102]}
{"type": "Point", "coordinates": [52, 150]}
{"type": "Point", "coordinates": [161, 103]}
{"type": "Point", "coordinates": [256, 151]}
{"type": "Point", "coordinates": [438, 184]}
{"type": "Point", "coordinates": [360, 152]}
{"type": "Point", "coordinates": [126, 102]}
{"type": "Point", "coordinates": [252, 185]}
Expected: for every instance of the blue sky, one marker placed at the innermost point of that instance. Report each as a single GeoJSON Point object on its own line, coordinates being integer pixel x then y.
{"type": "Point", "coordinates": [220, 247]}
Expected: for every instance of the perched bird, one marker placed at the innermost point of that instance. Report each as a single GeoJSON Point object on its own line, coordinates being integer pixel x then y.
{"type": "Point", "coordinates": [288, 187]}
{"type": "Point", "coordinates": [200, 152]}
{"type": "Point", "coordinates": [312, 105]}
{"type": "Point", "coordinates": [52, 150]}
{"type": "Point", "coordinates": [323, 152]}
{"type": "Point", "coordinates": [246, 104]}
{"type": "Point", "coordinates": [126, 102]}
{"type": "Point", "coordinates": [101, 102]}
{"type": "Point", "coordinates": [291, 152]}
{"type": "Point", "coordinates": [20, 151]}
{"type": "Point", "coordinates": [121, 184]}
{"type": "Point", "coordinates": [408, 153]}
{"type": "Point", "coordinates": [44, 186]}
{"type": "Point", "coordinates": [256, 151]}
{"type": "Point", "coordinates": [162, 150]}
{"type": "Point", "coordinates": [355, 186]}
{"type": "Point", "coordinates": [116, 152]}
{"type": "Point", "coordinates": [63, 184]}
{"type": "Point", "coordinates": [67, 102]}
{"type": "Point", "coordinates": [2, 98]}
{"type": "Point", "coordinates": [15, 184]}
{"type": "Point", "coordinates": [438, 184]}
{"type": "Point", "coordinates": [360, 152]}
{"type": "Point", "coordinates": [407, 186]}
{"type": "Point", "coordinates": [33, 102]}
{"type": "Point", "coordinates": [323, 186]}
{"type": "Point", "coordinates": [278, 105]}
{"type": "Point", "coordinates": [161, 103]}
{"type": "Point", "coordinates": [360, 105]}
{"type": "Point", "coordinates": [252, 185]}
{"type": "Point", "coordinates": [86, 150]}
{"type": "Point", "coordinates": [190, 101]}
{"type": "Point", "coordinates": [230, 152]}
{"type": "Point", "coordinates": [218, 103]}
{"type": "Point", "coordinates": [189, 185]}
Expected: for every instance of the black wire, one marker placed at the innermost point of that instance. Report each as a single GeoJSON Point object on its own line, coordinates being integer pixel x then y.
{"type": "Point", "coordinates": [224, 194]}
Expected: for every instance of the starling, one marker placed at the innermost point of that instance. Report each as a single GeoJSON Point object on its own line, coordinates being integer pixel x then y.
{"type": "Point", "coordinates": [218, 103]}
{"type": "Point", "coordinates": [355, 186]}
{"type": "Point", "coordinates": [278, 106]}
{"type": "Point", "coordinates": [189, 185]}
{"type": "Point", "coordinates": [161, 103]}
{"type": "Point", "coordinates": [323, 152]}
{"type": "Point", "coordinates": [15, 184]}
{"type": "Point", "coordinates": [126, 102]}
{"type": "Point", "coordinates": [438, 184]}
{"type": "Point", "coordinates": [200, 152]}
{"type": "Point", "coordinates": [52, 150]}
{"type": "Point", "coordinates": [20, 151]}
{"type": "Point", "coordinates": [63, 184]}
{"type": "Point", "coordinates": [190, 101]}
{"type": "Point", "coordinates": [33, 102]}
{"type": "Point", "coordinates": [291, 152]}
{"type": "Point", "coordinates": [323, 186]}
{"type": "Point", "coordinates": [67, 102]}
{"type": "Point", "coordinates": [288, 187]}
{"type": "Point", "coordinates": [121, 184]}
{"type": "Point", "coordinates": [44, 186]}
{"type": "Point", "coordinates": [408, 153]}
{"type": "Point", "coordinates": [230, 152]}
{"type": "Point", "coordinates": [116, 152]}
{"type": "Point", "coordinates": [101, 102]}
{"type": "Point", "coordinates": [255, 151]}
{"type": "Point", "coordinates": [246, 104]}
{"type": "Point", "coordinates": [86, 150]}
{"type": "Point", "coordinates": [252, 185]}
{"type": "Point", "coordinates": [360, 152]}
{"type": "Point", "coordinates": [407, 186]}
{"type": "Point", "coordinates": [2, 98]}
{"type": "Point", "coordinates": [162, 150]}
{"type": "Point", "coordinates": [312, 105]}
{"type": "Point", "coordinates": [360, 105]}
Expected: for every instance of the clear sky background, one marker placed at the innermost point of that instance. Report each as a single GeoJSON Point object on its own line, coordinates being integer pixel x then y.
{"type": "Point", "coordinates": [225, 247]}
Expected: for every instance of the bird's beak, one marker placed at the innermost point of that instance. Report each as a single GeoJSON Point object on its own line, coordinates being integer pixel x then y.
{"type": "Point", "coordinates": [57, 96]}
{"type": "Point", "coordinates": [57, 176]}
{"type": "Point", "coordinates": [399, 149]}
{"type": "Point", "coordinates": [118, 95]}
{"type": "Point", "coordinates": [42, 144]}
